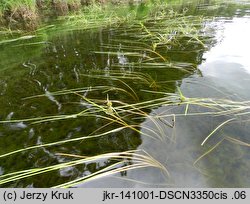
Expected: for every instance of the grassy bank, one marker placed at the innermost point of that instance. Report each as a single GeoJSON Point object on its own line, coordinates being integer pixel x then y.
{"type": "Point", "coordinates": [27, 14]}
{"type": "Point", "coordinates": [19, 14]}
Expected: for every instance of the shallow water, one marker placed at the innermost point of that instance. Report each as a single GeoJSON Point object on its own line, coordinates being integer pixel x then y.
{"type": "Point", "coordinates": [77, 59]}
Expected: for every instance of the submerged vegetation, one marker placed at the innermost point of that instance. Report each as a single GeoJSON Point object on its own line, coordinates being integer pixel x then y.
{"type": "Point", "coordinates": [119, 116]}
{"type": "Point", "coordinates": [134, 93]}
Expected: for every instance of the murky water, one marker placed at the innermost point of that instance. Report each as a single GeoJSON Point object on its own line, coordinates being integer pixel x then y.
{"type": "Point", "coordinates": [87, 62]}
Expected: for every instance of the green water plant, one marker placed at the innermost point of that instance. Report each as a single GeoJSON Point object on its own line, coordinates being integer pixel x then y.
{"type": "Point", "coordinates": [123, 161]}
{"type": "Point", "coordinates": [119, 104]}
{"type": "Point", "coordinates": [125, 116]}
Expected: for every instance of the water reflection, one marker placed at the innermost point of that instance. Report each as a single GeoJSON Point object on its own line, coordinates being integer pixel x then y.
{"type": "Point", "coordinates": [88, 62]}
{"type": "Point", "coordinates": [225, 75]}
{"type": "Point", "coordinates": [234, 45]}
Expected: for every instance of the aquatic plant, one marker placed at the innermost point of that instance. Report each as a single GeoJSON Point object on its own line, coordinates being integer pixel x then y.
{"type": "Point", "coordinates": [117, 112]}
{"type": "Point", "coordinates": [122, 161]}
{"type": "Point", "coordinates": [112, 111]}
{"type": "Point", "coordinates": [26, 14]}
{"type": "Point", "coordinates": [118, 101]}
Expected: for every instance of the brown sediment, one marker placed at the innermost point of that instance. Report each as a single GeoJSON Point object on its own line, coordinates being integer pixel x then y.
{"type": "Point", "coordinates": [41, 4]}
{"type": "Point", "coordinates": [21, 17]}
{"type": "Point", "coordinates": [74, 5]}
{"type": "Point", "coordinates": [99, 1]}
{"type": "Point", "coordinates": [86, 2]}
{"type": "Point", "coordinates": [60, 6]}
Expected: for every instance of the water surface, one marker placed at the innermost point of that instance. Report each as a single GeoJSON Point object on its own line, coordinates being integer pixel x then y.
{"type": "Point", "coordinates": [77, 59]}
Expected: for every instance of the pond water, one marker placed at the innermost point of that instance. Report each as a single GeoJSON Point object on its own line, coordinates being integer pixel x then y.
{"type": "Point", "coordinates": [112, 64]}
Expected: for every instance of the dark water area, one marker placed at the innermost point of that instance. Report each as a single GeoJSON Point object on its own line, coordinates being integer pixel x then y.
{"type": "Point", "coordinates": [98, 64]}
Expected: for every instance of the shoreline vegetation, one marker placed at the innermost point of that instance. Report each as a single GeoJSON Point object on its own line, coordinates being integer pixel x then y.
{"type": "Point", "coordinates": [29, 14]}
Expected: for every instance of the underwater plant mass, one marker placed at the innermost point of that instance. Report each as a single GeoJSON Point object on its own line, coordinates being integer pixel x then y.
{"type": "Point", "coordinates": [151, 94]}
